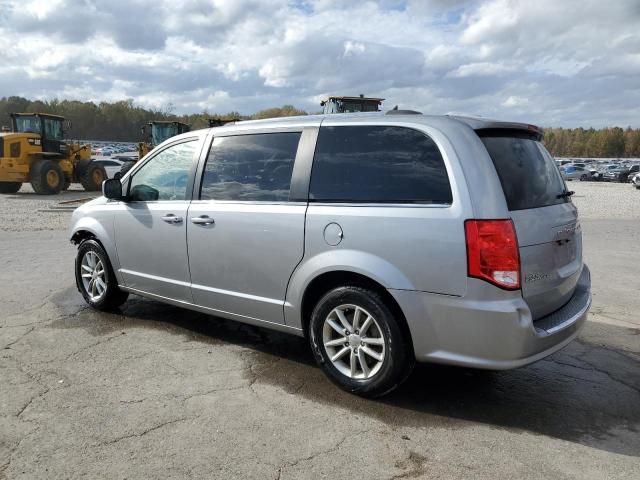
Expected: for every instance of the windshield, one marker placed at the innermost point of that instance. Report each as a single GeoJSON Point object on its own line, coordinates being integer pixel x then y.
{"type": "Point", "coordinates": [161, 131]}
{"type": "Point", "coordinates": [529, 176]}
{"type": "Point", "coordinates": [28, 124]}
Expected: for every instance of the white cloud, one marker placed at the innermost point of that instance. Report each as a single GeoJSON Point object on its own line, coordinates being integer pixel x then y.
{"type": "Point", "coordinates": [573, 62]}
{"type": "Point", "coordinates": [479, 69]}
{"type": "Point", "coordinates": [514, 101]}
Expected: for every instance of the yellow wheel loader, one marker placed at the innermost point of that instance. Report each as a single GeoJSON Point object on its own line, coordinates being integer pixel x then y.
{"type": "Point", "coordinates": [154, 133]}
{"type": "Point", "coordinates": [35, 152]}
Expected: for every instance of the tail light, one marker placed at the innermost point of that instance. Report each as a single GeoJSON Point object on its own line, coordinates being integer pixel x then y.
{"type": "Point", "coordinates": [492, 252]}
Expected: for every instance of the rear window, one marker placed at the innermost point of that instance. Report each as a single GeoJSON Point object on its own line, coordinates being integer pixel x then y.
{"type": "Point", "coordinates": [378, 164]}
{"type": "Point", "coordinates": [528, 173]}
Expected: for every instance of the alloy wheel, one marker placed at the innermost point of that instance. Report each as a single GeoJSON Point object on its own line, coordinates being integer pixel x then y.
{"type": "Point", "coordinates": [354, 342]}
{"type": "Point", "coordinates": [93, 276]}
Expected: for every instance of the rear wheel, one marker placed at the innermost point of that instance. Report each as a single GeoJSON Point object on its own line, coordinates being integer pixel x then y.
{"type": "Point", "coordinates": [358, 343]}
{"type": "Point", "coordinates": [92, 177]}
{"type": "Point", "coordinates": [10, 187]}
{"type": "Point", "coordinates": [583, 177]}
{"type": "Point", "coordinates": [47, 177]}
{"type": "Point", "coordinates": [95, 278]}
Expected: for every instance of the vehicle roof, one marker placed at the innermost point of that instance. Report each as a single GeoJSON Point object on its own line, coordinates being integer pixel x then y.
{"type": "Point", "coordinates": [339, 97]}
{"type": "Point", "coordinates": [38, 114]}
{"type": "Point", "coordinates": [476, 123]}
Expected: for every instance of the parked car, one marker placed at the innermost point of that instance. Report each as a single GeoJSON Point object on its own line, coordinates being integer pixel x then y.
{"type": "Point", "coordinates": [573, 172]}
{"type": "Point", "coordinates": [112, 166]}
{"type": "Point", "coordinates": [618, 174]}
{"type": "Point", "coordinates": [599, 175]}
{"type": "Point", "coordinates": [384, 239]}
{"type": "Point", "coordinates": [632, 169]}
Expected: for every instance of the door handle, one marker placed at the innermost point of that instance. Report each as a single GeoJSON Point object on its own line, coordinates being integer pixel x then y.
{"type": "Point", "coordinates": [171, 218]}
{"type": "Point", "coordinates": [202, 220]}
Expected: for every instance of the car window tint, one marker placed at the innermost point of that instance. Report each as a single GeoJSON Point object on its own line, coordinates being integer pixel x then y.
{"type": "Point", "coordinates": [529, 176]}
{"type": "Point", "coordinates": [254, 167]}
{"type": "Point", "coordinates": [378, 164]}
{"type": "Point", "coordinates": [166, 175]}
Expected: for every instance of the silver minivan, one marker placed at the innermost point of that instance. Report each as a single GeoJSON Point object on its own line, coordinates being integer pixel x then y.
{"type": "Point", "coordinates": [384, 239]}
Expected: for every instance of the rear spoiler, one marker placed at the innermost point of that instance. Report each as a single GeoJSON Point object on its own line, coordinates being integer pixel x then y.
{"type": "Point", "coordinates": [485, 124]}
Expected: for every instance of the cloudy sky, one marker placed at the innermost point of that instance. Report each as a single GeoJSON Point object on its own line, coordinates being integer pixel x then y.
{"type": "Point", "coordinates": [553, 62]}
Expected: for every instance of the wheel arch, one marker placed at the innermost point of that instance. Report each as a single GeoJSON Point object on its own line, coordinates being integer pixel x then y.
{"type": "Point", "coordinates": [328, 280]}
{"type": "Point", "coordinates": [87, 228]}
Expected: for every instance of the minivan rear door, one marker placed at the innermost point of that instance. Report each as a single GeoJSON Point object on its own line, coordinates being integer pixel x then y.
{"type": "Point", "coordinates": [545, 219]}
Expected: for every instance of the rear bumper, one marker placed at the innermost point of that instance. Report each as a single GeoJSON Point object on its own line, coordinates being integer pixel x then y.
{"type": "Point", "coordinates": [492, 333]}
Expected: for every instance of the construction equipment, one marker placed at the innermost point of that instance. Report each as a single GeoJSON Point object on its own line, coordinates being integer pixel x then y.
{"type": "Point", "coordinates": [335, 104]}
{"type": "Point", "coordinates": [35, 152]}
{"type": "Point", "coordinates": [157, 131]}
{"type": "Point", "coordinates": [219, 121]}
{"type": "Point", "coordinates": [153, 134]}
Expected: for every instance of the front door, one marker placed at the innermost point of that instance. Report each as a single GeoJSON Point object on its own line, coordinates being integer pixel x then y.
{"type": "Point", "coordinates": [245, 236]}
{"type": "Point", "coordinates": [150, 227]}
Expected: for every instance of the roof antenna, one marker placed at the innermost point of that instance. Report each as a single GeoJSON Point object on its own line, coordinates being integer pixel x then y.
{"type": "Point", "coordinates": [395, 108]}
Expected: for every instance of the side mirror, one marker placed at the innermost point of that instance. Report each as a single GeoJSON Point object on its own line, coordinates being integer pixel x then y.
{"type": "Point", "coordinates": [112, 189]}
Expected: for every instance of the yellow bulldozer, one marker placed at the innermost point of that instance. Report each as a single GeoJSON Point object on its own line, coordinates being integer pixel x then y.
{"type": "Point", "coordinates": [35, 152]}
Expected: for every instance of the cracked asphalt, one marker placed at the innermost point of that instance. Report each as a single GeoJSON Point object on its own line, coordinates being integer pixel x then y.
{"type": "Point", "coordinates": [154, 391]}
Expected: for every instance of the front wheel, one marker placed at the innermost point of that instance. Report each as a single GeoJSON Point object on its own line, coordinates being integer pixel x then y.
{"type": "Point", "coordinates": [95, 278]}
{"type": "Point", "coordinates": [356, 340]}
{"type": "Point", "coordinates": [47, 178]}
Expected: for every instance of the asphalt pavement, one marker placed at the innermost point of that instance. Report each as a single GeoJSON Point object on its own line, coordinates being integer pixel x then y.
{"type": "Point", "coordinates": [154, 391]}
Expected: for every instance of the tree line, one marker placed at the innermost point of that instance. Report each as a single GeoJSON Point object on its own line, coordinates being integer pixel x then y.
{"type": "Point", "coordinates": [611, 142]}
{"type": "Point", "coordinates": [121, 121]}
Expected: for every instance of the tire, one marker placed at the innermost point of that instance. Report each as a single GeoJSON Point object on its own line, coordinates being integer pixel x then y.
{"type": "Point", "coordinates": [92, 177]}
{"type": "Point", "coordinates": [583, 177]}
{"type": "Point", "coordinates": [10, 187]}
{"type": "Point", "coordinates": [394, 360]}
{"type": "Point", "coordinates": [126, 166]}
{"type": "Point", "coordinates": [111, 296]}
{"type": "Point", "coordinates": [46, 177]}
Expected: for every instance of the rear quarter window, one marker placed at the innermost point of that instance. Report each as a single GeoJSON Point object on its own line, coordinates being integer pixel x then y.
{"type": "Point", "coordinates": [528, 173]}
{"type": "Point", "coordinates": [378, 164]}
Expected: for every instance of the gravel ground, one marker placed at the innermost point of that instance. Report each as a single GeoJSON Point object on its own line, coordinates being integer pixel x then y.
{"type": "Point", "coordinates": [602, 200]}
{"type": "Point", "coordinates": [26, 211]}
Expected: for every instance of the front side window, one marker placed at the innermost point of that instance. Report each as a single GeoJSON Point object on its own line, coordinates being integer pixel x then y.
{"type": "Point", "coordinates": [254, 167]}
{"type": "Point", "coordinates": [378, 164]}
{"type": "Point", "coordinates": [53, 129]}
{"type": "Point", "coordinates": [166, 175]}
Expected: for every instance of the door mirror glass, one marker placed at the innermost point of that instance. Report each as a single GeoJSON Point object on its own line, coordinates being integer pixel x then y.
{"type": "Point", "coordinates": [112, 189]}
